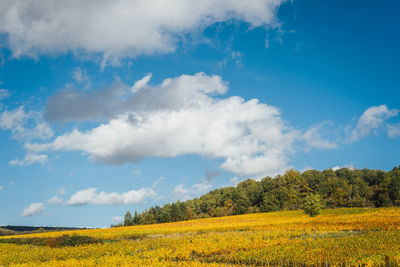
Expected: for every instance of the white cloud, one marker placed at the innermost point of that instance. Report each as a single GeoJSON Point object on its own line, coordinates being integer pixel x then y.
{"type": "Point", "coordinates": [393, 130]}
{"type": "Point", "coordinates": [184, 193]}
{"type": "Point", "coordinates": [306, 168]}
{"type": "Point", "coordinates": [158, 181]}
{"type": "Point", "coordinates": [1, 187]}
{"type": "Point", "coordinates": [25, 126]}
{"type": "Point", "coordinates": [117, 219]}
{"type": "Point", "coordinates": [180, 189]}
{"type": "Point", "coordinates": [119, 28]}
{"type": "Point", "coordinates": [80, 75]}
{"type": "Point", "coordinates": [203, 187]}
{"type": "Point", "coordinates": [313, 138]}
{"type": "Point", "coordinates": [348, 166]}
{"type": "Point", "coordinates": [142, 83]}
{"type": "Point", "coordinates": [55, 201]}
{"type": "Point", "coordinates": [181, 116]}
{"type": "Point", "coordinates": [30, 159]}
{"type": "Point", "coordinates": [181, 192]}
{"type": "Point", "coordinates": [13, 120]}
{"type": "Point", "coordinates": [234, 57]}
{"type": "Point", "coordinates": [91, 196]}
{"type": "Point", "coordinates": [33, 209]}
{"type": "Point", "coordinates": [371, 120]}
{"type": "Point", "coordinates": [171, 94]}
{"type": "Point", "coordinates": [234, 181]}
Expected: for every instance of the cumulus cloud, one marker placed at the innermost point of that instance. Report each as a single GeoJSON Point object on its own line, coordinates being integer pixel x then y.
{"type": "Point", "coordinates": [171, 94]}
{"type": "Point", "coordinates": [91, 196]}
{"type": "Point", "coordinates": [370, 120]}
{"type": "Point", "coordinates": [185, 115]}
{"type": "Point", "coordinates": [119, 28]}
{"type": "Point", "coordinates": [72, 104]}
{"type": "Point", "coordinates": [30, 159]}
{"type": "Point", "coordinates": [33, 209]}
{"type": "Point", "coordinates": [393, 130]}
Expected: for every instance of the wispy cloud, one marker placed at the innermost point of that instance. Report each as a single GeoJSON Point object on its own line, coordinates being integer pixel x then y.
{"type": "Point", "coordinates": [393, 130]}
{"type": "Point", "coordinates": [117, 219]}
{"type": "Point", "coordinates": [313, 138]}
{"type": "Point", "coordinates": [158, 182]}
{"type": "Point", "coordinates": [80, 75]}
{"type": "Point", "coordinates": [25, 125]}
{"type": "Point", "coordinates": [36, 208]}
{"type": "Point", "coordinates": [4, 94]}
{"type": "Point", "coordinates": [55, 201]}
{"type": "Point", "coordinates": [30, 159]}
{"type": "Point", "coordinates": [91, 196]}
{"type": "Point", "coordinates": [372, 119]}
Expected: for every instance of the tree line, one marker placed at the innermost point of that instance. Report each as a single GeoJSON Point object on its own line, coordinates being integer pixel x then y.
{"type": "Point", "coordinates": [337, 188]}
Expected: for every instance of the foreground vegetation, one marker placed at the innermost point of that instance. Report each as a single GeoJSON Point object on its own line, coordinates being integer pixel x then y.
{"type": "Point", "coordinates": [340, 188]}
{"type": "Point", "coordinates": [351, 236]}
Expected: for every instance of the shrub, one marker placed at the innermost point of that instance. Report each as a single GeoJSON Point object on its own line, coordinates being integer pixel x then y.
{"type": "Point", "coordinates": [72, 240]}
{"type": "Point", "coordinates": [312, 205]}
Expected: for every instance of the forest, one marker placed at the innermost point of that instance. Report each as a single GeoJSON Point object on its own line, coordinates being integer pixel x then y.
{"type": "Point", "coordinates": [337, 188]}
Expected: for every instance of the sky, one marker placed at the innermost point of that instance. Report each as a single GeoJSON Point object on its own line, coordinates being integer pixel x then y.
{"type": "Point", "coordinates": [110, 106]}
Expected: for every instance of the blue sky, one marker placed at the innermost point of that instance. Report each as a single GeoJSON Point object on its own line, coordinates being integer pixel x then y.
{"type": "Point", "coordinates": [122, 105]}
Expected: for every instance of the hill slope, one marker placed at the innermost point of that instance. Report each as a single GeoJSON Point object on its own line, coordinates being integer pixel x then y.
{"type": "Point", "coordinates": [352, 236]}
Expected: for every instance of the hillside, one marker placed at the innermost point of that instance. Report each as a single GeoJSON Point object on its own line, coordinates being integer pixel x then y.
{"type": "Point", "coordinates": [354, 236]}
{"type": "Point", "coordinates": [337, 188]}
{"type": "Point", "coordinates": [4, 231]}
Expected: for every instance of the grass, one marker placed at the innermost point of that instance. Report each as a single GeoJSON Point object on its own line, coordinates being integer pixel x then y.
{"type": "Point", "coordinates": [368, 237]}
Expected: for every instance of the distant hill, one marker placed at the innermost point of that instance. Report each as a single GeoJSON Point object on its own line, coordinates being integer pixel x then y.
{"type": "Point", "coordinates": [4, 231]}
{"type": "Point", "coordinates": [17, 230]}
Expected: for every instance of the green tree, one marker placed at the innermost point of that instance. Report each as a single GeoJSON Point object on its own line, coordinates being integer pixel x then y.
{"type": "Point", "coordinates": [128, 219]}
{"type": "Point", "coordinates": [312, 205]}
{"type": "Point", "coordinates": [136, 218]}
{"type": "Point", "coordinates": [253, 190]}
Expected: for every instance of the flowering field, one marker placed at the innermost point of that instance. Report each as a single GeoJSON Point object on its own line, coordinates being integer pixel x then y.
{"type": "Point", "coordinates": [337, 237]}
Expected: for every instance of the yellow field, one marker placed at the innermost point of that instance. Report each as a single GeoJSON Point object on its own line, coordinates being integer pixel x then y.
{"type": "Point", "coordinates": [337, 237]}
